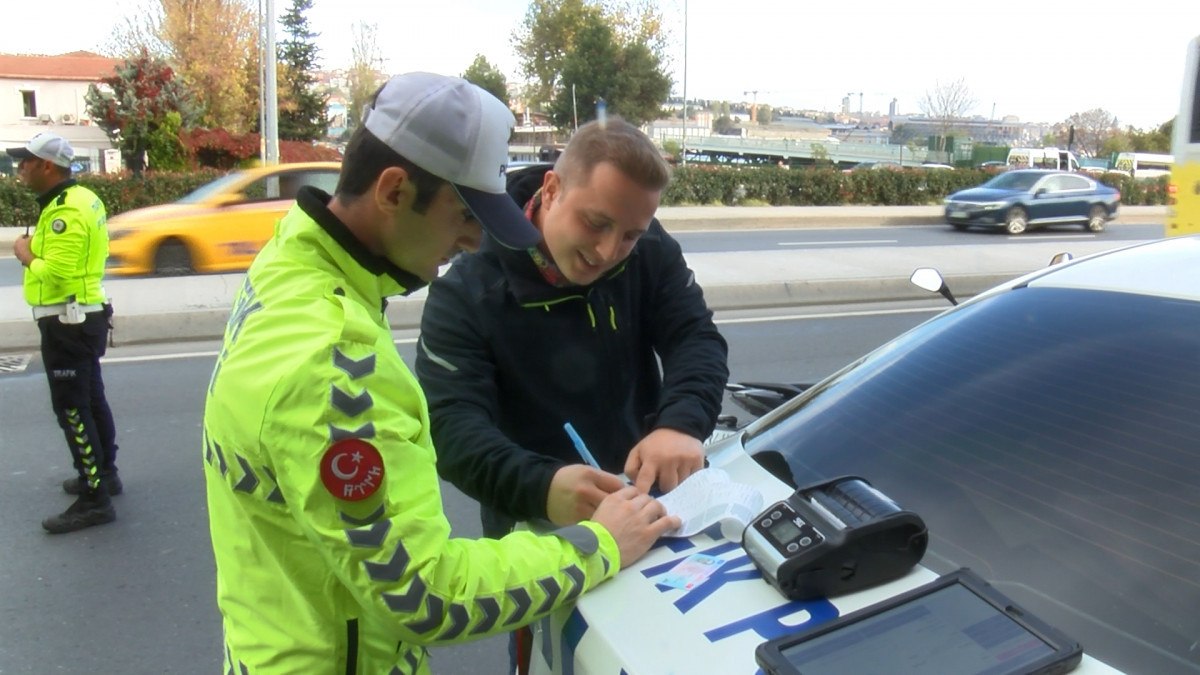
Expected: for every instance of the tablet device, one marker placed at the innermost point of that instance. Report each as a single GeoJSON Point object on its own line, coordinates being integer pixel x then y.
{"type": "Point", "coordinates": [956, 624]}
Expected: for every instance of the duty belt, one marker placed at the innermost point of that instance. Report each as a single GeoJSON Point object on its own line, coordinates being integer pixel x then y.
{"type": "Point", "coordinates": [43, 311]}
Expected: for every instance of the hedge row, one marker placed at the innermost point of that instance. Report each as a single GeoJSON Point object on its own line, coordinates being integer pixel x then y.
{"type": "Point", "coordinates": [691, 185]}
{"type": "Point", "coordinates": [830, 187]}
{"type": "Point", "coordinates": [119, 192]}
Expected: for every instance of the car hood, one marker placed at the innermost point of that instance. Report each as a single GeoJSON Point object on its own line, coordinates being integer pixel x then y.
{"type": "Point", "coordinates": [150, 214]}
{"type": "Point", "coordinates": [983, 195]}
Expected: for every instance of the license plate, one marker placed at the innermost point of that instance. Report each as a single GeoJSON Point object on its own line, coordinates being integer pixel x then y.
{"type": "Point", "coordinates": [958, 214]}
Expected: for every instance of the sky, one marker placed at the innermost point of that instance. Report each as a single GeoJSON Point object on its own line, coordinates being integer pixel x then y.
{"type": "Point", "coordinates": [1038, 60]}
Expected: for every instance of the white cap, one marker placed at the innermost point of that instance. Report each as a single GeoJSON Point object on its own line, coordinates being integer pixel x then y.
{"type": "Point", "coordinates": [47, 146]}
{"type": "Point", "coordinates": [458, 132]}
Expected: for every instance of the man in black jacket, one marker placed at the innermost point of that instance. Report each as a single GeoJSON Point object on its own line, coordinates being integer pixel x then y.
{"type": "Point", "coordinates": [517, 343]}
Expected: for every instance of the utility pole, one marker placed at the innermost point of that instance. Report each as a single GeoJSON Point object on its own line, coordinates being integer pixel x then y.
{"type": "Point", "coordinates": [270, 94]}
{"type": "Point", "coordinates": [683, 144]}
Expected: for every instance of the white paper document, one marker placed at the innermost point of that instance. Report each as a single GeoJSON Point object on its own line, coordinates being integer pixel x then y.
{"type": "Point", "coordinates": [710, 496]}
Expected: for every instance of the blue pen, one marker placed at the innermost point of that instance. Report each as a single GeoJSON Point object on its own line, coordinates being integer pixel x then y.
{"type": "Point", "coordinates": [580, 447]}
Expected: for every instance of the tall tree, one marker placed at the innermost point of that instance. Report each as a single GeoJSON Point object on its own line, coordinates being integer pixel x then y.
{"type": "Point", "coordinates": [365, 74]}
{"type": "Point", "coordinates": [213, 47]}
{"type": "Point", "coordinates": [629, 78]}
{"type": "Point", "coordinates": [946, 104]}
{"type": "Point", "coordinates": [549, 31]}
{"type": "Point", "coordinates": [488, 77]}
{"type": "Point", "coordinates": [132, 105]}
{"type": "Point", "coordinates": [1092, 129]}
{"type": "Point", "coordinates": [302, 114]}
{"type": "Point", "coordinates": [584, 79]}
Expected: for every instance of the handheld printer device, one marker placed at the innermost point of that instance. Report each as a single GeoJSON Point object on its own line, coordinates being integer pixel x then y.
{"type": "Point", "coordinates": [834, 537]}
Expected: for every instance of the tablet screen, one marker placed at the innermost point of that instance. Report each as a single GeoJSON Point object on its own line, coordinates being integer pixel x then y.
{"type": "Point", "coordinates": [951, 630]}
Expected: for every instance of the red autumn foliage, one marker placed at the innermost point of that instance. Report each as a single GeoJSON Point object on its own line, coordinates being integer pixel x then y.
{"type": "Point", "coordinates": [220, 149]}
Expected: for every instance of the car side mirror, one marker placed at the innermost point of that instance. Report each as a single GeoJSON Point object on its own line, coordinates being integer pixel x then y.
{"type": "Point", "coordinates": [1040, 191]}
{"type": "Point", "coordinates": [932, 281]}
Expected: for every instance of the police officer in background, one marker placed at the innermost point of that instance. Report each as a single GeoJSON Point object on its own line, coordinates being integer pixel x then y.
{"type": "Point", "coordinates": [64, 265]}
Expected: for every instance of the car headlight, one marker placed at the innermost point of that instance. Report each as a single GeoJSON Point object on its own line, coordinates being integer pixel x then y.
{"type": "Point", "coordinates": [992, 205]}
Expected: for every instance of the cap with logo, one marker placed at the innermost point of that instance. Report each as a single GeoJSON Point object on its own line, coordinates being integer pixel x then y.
{"type": "Point", "coordinates": [47, 146]}
{"type": "Point", "coordinates": [459, 133]}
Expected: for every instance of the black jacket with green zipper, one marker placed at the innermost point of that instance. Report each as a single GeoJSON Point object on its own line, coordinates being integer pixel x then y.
{"type": "Point", "coordinates": [505, 359]}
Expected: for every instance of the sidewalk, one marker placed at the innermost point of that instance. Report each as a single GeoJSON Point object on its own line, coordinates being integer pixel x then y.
{"type": "Point", "coordinates": [182, 308]}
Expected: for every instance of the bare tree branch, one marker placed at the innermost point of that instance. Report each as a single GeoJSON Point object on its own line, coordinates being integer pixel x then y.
{"type": "Point", "coordinates": [946, 104]}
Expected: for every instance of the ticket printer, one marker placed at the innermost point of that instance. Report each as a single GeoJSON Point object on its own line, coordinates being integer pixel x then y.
{"type": "Point", "coordinates": [834, 537]}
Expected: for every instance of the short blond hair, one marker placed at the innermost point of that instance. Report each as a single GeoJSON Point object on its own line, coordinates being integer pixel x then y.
{"type": "Point", "coordinates": [619, 143]}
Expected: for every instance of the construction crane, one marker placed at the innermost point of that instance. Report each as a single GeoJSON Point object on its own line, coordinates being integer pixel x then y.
{"type": "Point", "coordinates": [753, 103]}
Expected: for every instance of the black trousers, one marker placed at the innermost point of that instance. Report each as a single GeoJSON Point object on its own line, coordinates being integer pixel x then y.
{"type": "Point", "coordinates": [71, 354]}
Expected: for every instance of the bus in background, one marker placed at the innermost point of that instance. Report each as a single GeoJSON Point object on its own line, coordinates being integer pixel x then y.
{"type": "Point", "coordinates": [1183, 192]}
{"type": "Point", "coordinates": [1042, 158]}
{"type": "Point", "coordinates": [1143, 165]}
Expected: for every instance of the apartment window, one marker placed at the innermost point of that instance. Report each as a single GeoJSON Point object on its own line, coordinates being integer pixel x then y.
{"type": "Point", "coordinates": [29, 100]}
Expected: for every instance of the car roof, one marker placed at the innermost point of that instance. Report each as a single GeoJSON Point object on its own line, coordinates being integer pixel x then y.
{"type": "Point", "coordinates": [1166, 267]}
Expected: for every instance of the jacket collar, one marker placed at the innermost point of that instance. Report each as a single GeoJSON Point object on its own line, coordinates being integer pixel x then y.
{"type": "Point", "coordinates": [315, 204]}
{"type": "Point", "coordinates": [48, 196]}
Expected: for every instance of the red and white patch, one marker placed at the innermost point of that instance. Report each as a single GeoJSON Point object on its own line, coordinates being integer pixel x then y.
{"type": "Point", "coordinates": [352, 469]}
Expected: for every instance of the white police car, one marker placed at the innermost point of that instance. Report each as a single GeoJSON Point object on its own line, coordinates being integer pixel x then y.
{"type": "Point", "coordinates": [1046, 431]}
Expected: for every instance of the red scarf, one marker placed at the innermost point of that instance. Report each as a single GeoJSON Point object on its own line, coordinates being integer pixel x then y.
{"type": "Point", "coordinates": [541, 254]}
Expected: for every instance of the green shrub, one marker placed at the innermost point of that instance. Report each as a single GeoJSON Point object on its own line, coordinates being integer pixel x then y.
{"type": "Point", "coordinates": [119, 192]}
{"type": "Point", "coordinates": [17, 205]}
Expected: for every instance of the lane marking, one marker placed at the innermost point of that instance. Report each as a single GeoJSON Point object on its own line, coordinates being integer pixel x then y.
{"type": "Point", "coordinates": [196, 355]}
{"type": "Point", "coordinates": [1042, 237]}
{"type": "Point", "coordinates": [832, 315]}
{"type": "Point", "coordinates": [838, 243]}
{"type": "Point", "coordinates": [409, 341]}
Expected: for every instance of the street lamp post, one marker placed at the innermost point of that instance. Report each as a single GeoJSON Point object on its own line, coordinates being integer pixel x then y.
{"type": "Point", "coordinates": [270, 129]}
{"type": "Point", "coordinates": [683, 144]}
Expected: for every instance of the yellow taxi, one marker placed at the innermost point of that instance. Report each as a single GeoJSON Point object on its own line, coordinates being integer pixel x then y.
{"type": "Point", "coordinates": [219, 227]}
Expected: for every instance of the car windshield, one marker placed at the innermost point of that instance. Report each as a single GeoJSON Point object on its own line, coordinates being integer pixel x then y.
{"type": "Point", "coordinates": [1050, 439]}
{"type": "Point", "coordinates": [209, 189]}
{"type": "Point", "coordinates": [1013, 180]}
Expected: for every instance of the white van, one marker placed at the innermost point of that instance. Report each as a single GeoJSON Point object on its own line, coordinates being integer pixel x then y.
{"type": "Point", "coordinates": [1042, 158]}
{"type": "Point", "coordinates": [1144, 164]}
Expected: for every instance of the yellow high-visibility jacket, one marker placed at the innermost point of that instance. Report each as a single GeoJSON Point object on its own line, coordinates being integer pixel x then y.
{"type": "Point", "coordinates": [70, 245]}
{"type": "Point", "coordinates": [332, 550]}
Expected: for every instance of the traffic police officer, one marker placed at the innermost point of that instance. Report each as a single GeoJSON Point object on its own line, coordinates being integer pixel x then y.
{"type": "Point", "coordinates": [332, 550]}
{"type": "Point", "coordinates": [64, 266]}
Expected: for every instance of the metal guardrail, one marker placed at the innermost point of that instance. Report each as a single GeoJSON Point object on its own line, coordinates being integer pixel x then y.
{"type": "Point", "coordinates": [802, 149]}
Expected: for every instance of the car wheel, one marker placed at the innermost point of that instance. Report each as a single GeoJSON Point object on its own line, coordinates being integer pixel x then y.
{"type": "Point", "coordinates": [172, 259]}
{"type": "Point", "coordinates": [1015, 222]}
{"type": "Point", "coordinates": [1097, 216]}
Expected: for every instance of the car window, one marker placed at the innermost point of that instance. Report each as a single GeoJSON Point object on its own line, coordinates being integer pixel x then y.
{"type": "Point", "coordinates": [1013, 180]}
{"type": "Point", "coordinates": [1067, 477]}
{"type": "Point", "coordinates": [1075, 183]}
{"type": "Point", "coordinates": [1051, 184]}
{"type": "Point", "coordinates": [286, 184]}
{"type": "Point", "coordinates": [208, 189]}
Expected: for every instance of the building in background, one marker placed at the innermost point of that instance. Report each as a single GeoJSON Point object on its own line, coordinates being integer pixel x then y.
{"type": "Point", "coordinates": [46, 93]}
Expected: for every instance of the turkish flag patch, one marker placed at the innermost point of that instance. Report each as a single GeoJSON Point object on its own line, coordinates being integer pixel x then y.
{"type": "Point", "coordinates": [352, 469]}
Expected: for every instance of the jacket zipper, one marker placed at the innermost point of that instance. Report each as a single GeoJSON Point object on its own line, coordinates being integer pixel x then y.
{"type": "Point", "coordinates": [352, 647]}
